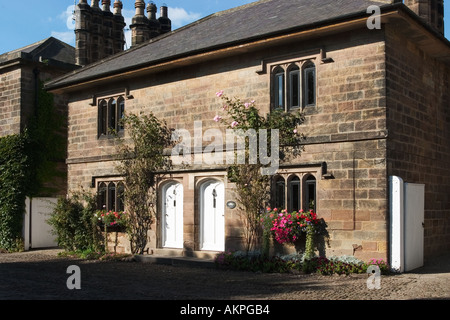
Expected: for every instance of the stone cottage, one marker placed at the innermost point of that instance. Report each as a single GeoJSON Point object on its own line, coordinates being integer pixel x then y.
{"type": "Point", "coordinates": [373, 86]}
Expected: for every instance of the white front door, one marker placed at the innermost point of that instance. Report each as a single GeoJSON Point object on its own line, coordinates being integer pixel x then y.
{"type": "Point", "coordinates": [212, 216]}
{"type": "Point", "coordinates": [172, 216]}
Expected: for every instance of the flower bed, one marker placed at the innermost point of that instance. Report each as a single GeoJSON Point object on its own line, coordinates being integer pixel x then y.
{"type": "Point", "coordinates": [255, 262]}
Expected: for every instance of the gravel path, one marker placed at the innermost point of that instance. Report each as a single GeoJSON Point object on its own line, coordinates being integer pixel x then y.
{"type": "Point", "coordinates": [42, 275]}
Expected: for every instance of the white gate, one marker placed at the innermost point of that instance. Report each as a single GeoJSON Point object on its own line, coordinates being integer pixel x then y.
{"type": "Point", "coordinates": [37, 233]}
{"type": "Point", "coordinates": [407, 206]}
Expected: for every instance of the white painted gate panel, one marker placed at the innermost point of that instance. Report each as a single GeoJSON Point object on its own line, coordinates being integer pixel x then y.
{"type": "Point", "coordinates": [414, 219]}
{"type": "Point", "coordinates": [37, 232]}
{"type": "Point", "coordinates": [407, 207]}
{"type": "Point", "coordinates": [397, 225]}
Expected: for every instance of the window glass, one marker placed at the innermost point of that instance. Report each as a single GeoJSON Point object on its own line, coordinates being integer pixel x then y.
{"type": "Point", "coordinates": [121, 114]}
{"type": "Point", "coordinates": [280, 197]}
{"type": "Point", "coordinates": [294, 87]}
{"type": "Point", "coordinates": [101, 196]}
{"type": "Point", "coordinates": [111, 197]}
{"type": "Point", "coordinates": [112, 115]}
{"type": "Point", "coordinates": [279, 89]}
{"type": "Point", "coordinates": [120, 197]}
{"type": "Point", "coordinates": [103, 118]}
{"type": "Point", "coordinates": [310, 85]}
{"type": "Point", "coordinates": [311, 193]}
{"type": "Point", "coordinates": [295, 196]}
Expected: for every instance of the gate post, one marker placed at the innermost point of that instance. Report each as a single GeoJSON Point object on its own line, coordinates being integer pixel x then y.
{"type": "Point", "coordinates": [397, 224]}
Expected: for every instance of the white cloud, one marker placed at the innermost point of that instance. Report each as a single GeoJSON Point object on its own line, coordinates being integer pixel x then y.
{"type": "Point", "coordinates": [181, 17]}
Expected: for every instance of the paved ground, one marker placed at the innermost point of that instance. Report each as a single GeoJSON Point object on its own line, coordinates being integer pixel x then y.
{"type": "Point", "coordinates": [41, 275]}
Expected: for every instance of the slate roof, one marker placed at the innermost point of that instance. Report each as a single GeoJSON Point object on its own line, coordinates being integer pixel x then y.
{"type": "Point", "coordinates": [54, 51]}
{"type": "Point", "coordinates": [239, 25]}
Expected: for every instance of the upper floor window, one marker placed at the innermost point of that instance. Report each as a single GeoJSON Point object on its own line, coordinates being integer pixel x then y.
{"type": "Point", "coordinates": [110, 114]}
{"type": "Point", "coordinates": [294, 85]}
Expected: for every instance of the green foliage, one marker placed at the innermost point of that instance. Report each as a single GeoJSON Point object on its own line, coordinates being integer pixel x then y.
{"type": "Point", "coordinates": [15, 173]}
{"type": "Point", "coordinates": [141, 164]}
{"type": "Point", "coordinates": [28, 160]}
{"type": "Point", "coordinates": [47, 144]}
{"type": "Point", "coordinates": [75, 225]}
{"type": "Point", "coordinates": [255, 262]}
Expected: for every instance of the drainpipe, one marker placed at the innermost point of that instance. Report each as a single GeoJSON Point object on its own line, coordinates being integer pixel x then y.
{"type": "Point", "coordinates": [36, 73]}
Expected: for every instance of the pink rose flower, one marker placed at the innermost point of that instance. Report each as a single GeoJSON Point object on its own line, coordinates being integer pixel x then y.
{"type": "Point", "coordinates": [217, 118]}
{"type": "Point", "coordinates": [219, 94]}
{"type": "Point", "coordinates": [234, 124]}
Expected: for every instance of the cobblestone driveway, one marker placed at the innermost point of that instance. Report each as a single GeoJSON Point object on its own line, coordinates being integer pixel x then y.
{"type": "Point", "coordinates": [41, 275]}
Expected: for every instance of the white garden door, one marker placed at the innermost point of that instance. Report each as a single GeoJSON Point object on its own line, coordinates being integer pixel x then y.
{"type": "Point", "coordinates": [212, 216]}
{"type": "Point", "coordinates": [172, 216]}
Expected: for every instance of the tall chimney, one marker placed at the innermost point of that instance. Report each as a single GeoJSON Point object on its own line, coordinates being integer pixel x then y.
{"type": "Point", "coordinates": [166, 24]}
{"type": "Point", "coordinates": [431, 11]}
{"type": "Point", "coordinates": [99, 32]}
{"type": "Point", "coordinates": [94, 4]}
{"type": "Point", "coordinates": [82, 33]}
{"type": "Point", "coordinates": [118, 27]}
{"type": "Point", "coordinates": [139, 25]}
{"type": "Point", "coordinates": [154, 24]}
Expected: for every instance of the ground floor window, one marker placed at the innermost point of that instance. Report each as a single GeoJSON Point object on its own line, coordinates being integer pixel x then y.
{"type": "Point", "coordinates": [294, 192]}
{"type": "Point", "coordinates": [110, 196]}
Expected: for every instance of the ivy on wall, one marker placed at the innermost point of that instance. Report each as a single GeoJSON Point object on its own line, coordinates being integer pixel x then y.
{"type": "Point", "coordinates": [15, 173]}
{"type": "Point", "coordinates": [29, 160]}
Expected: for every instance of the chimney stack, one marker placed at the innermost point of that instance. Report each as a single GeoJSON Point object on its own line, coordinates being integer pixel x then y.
{"type": "Point", "coordinates": [99, 32]}
{"type": "Point", "coordinates": [166, 24]}
{"type": "Point", "coordinates": [431, 11]}
{"type": "Point", "coordinates": [143, 28]}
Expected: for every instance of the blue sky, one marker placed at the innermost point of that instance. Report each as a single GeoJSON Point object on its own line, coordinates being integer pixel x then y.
{"type": "Point", "coordinates": [27, 21]}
